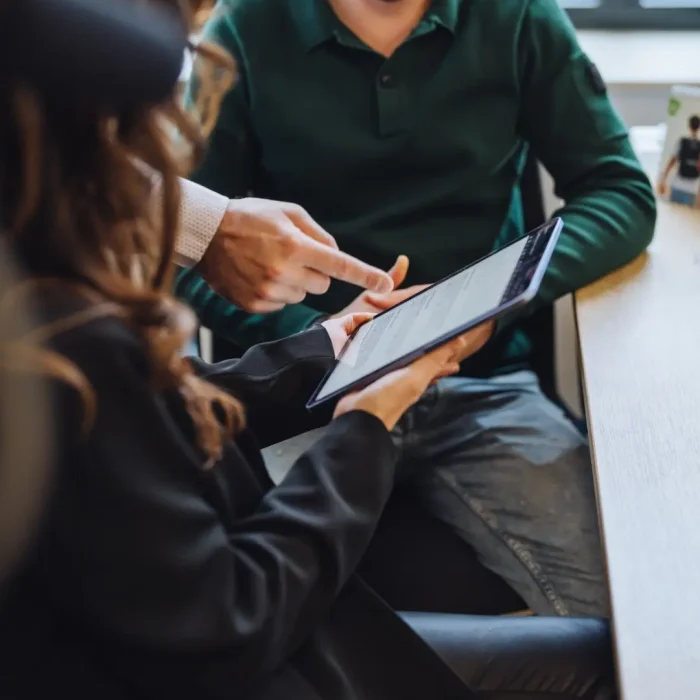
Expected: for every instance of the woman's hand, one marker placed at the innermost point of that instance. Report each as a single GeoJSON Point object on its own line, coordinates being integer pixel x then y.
{"type": "Point", "coordinates": [391, 396]}
{"type": "Point", "coordinates": [341, 328]}
{"type": "Point", "coordinates": [374, 302]}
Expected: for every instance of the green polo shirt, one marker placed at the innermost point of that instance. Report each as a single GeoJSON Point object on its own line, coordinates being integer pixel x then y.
{"type": "Point", "coordinates": [421, 153]}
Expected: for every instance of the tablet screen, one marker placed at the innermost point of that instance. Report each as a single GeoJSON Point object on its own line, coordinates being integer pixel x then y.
{"type": "Point", "coordinates": [476, 292]}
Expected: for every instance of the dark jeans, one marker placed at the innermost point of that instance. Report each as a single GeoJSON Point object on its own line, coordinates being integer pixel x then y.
{"type": "Point", "coordinates": [505, 468]}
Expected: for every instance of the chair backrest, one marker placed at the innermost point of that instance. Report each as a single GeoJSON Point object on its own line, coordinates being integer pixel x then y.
{"type": "Point", "coordinates": [539, 326]}
{"type": "Point", "coordinates": [531, 194]}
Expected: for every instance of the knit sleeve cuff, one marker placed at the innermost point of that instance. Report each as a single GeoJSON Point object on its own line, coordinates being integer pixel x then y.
{"type": "Point", "coordinates": [201, 214]}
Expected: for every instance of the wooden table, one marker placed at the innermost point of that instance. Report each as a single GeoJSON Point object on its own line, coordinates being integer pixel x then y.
{"type": "Point", "coordinates": [639, 334]}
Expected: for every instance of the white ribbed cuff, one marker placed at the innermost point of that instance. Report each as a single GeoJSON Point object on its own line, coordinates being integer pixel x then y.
{"type": "Point", "coordinates": [201, 214]}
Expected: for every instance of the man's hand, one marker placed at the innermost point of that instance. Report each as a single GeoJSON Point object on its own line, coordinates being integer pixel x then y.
{"type": "Point", "coordinates": [368, 302]}
{"type": "Point", "coordinates": [268, 254]}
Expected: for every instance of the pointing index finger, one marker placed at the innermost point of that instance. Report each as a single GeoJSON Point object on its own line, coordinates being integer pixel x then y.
{"type": "Point", "coordinates": [344, 267]}
{"type": "Point", "coordinates": [303, 221]}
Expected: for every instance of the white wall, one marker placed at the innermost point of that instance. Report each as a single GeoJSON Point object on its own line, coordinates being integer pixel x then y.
{"type": "Point", "coordinates": [642, 105]}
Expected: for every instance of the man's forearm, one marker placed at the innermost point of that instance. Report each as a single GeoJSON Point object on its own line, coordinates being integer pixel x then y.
{"type": "Point", "coordinates": [606, 227]}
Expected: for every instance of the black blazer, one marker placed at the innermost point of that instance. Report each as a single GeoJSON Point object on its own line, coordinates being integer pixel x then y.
{"type": "Point", "coordinates": [152, 578]}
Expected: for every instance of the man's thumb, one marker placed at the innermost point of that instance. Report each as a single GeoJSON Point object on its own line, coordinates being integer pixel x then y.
{"type": "Point", "coordinates": [399, 271]}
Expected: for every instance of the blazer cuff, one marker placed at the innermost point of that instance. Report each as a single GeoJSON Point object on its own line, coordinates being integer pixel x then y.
{"type": "Point", "coordinates": [313, 342]}
{"type": "Point", "coordinates": [367, 427]}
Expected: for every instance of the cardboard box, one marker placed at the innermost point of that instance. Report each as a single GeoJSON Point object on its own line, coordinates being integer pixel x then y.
{"type": "Point", "coordinates": [679, 176]}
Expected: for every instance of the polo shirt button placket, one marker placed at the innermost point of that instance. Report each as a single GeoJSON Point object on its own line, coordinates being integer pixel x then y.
{"type": "Point", "coordinates": [391, 104]}
{"type": "Point", "coordinates": [387, 81]}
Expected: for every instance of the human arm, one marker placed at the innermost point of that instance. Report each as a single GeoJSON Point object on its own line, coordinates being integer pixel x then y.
{"type": "Point", "coordinates": [274, 381]}
{"type": "Point", "coordinates": [175, 567]}
{"type": "Point", "coordinates": [566, 116]}
{"type": "Point", "coordinates": [246, 330]}
{"type": "Point", "coordinates": [257, 254]}
{"type": "Point", "coordinates": [672, 162]}
{"type": "Point", "coordinates": [199, 577]}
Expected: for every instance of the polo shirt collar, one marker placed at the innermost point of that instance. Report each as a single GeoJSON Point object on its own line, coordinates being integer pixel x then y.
{"type": "Point", "coordinates": [316, 22]}
{"type": "Point", "coordinates": [445, 13]}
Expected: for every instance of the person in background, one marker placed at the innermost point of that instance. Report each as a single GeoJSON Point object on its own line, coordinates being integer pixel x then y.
{"type": "Point", "coordinates": [685, 186]}
{"type": "Point", "coordinates": [166, 564]}
{"type": "Point", "coordinates": [403, 127]}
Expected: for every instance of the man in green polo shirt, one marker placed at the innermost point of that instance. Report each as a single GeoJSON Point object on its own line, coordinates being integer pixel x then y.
{"type": "Point", "coordinates": [402, 127]}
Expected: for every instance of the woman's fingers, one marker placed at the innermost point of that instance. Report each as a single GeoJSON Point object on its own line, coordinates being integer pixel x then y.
{"type": "Point", "coordinates": [447, 371]}
{"type": "Point", "coordinates": [418, 376]}
{"type": "Point", "coordinates": [399, 271]}
{"type": "Point", "coordinates": [391, 396]}
{"type": "Point", "coordinates": [469, 343]}
{"type": "Point", "coordinates": [388, 301]}
{"type": "Point", "coordinates": [352, 322]}
{"type": "Point", "coordinates": [339, 329]}
{"type": "Point", "coordinates": [457, 347]}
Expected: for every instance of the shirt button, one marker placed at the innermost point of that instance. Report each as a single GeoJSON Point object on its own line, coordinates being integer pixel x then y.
{"type": "Point", "coordinates": [387, 80]}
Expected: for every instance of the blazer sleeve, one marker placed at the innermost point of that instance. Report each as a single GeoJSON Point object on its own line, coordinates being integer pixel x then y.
{"type": "Point", "coordinates": [275, 381]}
{"type": "Point", "coordinates": [135, 550]}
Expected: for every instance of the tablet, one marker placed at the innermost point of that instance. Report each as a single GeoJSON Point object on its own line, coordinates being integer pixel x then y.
{"type": "Point", "coordinates": [487, 289]}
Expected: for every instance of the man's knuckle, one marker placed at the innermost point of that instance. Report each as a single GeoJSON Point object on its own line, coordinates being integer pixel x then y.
{"type": "Point", "coordinates": [297, 210]}
{"type": "Point", "coordinates": [323, 284]}
{"type": "Point", "coordinates": [342, 268]}
{"type": "Point", "coordinates": [290, 244]}
{"type": "Point", "coordinates": [266, 291]}
{"type": "Point", "coordinates": [273, 272]}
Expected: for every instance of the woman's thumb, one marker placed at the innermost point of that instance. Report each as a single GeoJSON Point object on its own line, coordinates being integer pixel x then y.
{"type": "Point", "coordinates": [354, 321]}
{"type": "Point", "coordinates": [399, 271]}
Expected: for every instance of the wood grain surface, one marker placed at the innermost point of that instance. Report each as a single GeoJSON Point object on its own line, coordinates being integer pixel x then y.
{"type": "Point", "coordinates": [639, 332]}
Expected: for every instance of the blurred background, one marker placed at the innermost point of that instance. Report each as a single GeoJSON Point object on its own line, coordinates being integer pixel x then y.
{"type": "Point", "coordinates": [642, 49]}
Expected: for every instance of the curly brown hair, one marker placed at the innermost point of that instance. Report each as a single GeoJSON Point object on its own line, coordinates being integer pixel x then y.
{"type": "Point", "coordinates": [93, 205]}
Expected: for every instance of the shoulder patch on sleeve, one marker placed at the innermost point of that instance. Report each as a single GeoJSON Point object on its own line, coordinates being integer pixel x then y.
{"type": "Point", "coordinates": [595, 79]}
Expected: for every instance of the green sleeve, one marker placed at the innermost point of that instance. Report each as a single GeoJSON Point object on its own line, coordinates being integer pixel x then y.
{"type": "Point", "coordinates": [239, 327]}
{"type": "Point", "coordinates": [230, 167]}
{"type": "Point", "coordinates": [567, 118]}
